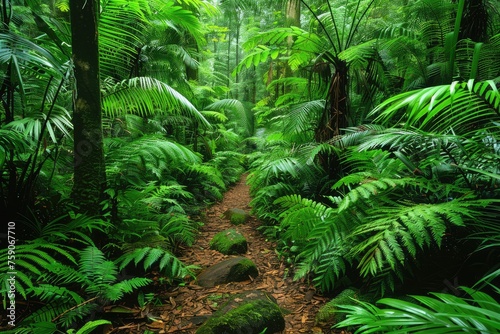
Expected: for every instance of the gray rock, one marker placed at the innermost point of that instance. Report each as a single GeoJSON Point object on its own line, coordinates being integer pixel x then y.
{"type": "Point", "coordinates": [236, 269]}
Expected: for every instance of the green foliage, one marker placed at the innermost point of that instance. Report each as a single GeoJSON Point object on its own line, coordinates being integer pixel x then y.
{"type": "Point", "coordinates": [168, 264]}
{"type": "Point", "coordinates": [380, 224]}
{"type": "Point", "coordinates": [68, 290]}
{"type": "Point", "coordinates": [148, 96]}
{"type": "Point", "coordinates": [438, 313]}
{"type": "Point", "coordinates": [448, 106]}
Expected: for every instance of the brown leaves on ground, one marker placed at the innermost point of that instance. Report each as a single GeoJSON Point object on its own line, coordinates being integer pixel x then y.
{"type": "Point", "coordinates": [184, 308]}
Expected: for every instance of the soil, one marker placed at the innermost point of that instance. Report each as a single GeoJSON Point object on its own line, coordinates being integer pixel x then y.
{"type": "Point", "coordinates": [185, 307]}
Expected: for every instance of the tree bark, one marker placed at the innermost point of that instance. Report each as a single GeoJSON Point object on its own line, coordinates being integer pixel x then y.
{"type": "Point", "coordinates": [292, 18]}
{"type": "Point", "coordinates": [89, 169]}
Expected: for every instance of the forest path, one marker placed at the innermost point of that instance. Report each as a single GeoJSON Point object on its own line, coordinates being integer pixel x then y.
{"type": "Point", "coordinates": [187, 304]}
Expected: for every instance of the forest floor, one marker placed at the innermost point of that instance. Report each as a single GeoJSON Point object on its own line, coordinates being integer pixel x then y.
{"type": "Point", "coordinates": [183, 306]}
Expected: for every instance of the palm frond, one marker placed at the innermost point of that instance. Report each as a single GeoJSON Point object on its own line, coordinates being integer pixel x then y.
{"type": "Point", "coordinates": [438, 313]}
{"type": "Point", "coordinates": [237, 114]}
{"type": "Point", "coordinates": [20, 51]}
{"type": "Point", "coordinates": [148, 96]}
{"type": "Point", "coordinates": [129, 160]}
{"type": "Point", "coordinates": [175, 17]}
{"type": "Point", "coordinates": [460, 106]}
{"type": "Point", "coordinates": [121, 27]}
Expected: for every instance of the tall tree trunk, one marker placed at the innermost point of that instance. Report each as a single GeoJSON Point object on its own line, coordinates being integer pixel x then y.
{"type": "Point", "coordinates": [237, 51]}
{"type": "Point", "coordinates": [89, 169]}
{"type": "Point", "coordinates": [292, 13]}
{"type": "Point", "coordinates": [334, 117]}
{"type": "Point", "coordinates": [292, 18]}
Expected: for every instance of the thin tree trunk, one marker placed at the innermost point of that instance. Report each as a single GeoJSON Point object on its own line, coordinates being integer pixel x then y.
{"type": "Point", "coordinates": [335, 116]}
{"type": "Point", "coordinates": [292, 18]}
{"type": "Point", "coordinates": [89, 169]}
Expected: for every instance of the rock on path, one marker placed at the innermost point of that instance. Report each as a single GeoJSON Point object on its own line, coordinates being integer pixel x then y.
{"type": "Point", "coordinates": [186, 307]}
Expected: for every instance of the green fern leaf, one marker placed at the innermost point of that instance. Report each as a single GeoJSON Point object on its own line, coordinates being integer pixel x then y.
{"type": "Point", "coordinates": [91, 326]}
{"type": "Point", "coordinates": [153, 255]}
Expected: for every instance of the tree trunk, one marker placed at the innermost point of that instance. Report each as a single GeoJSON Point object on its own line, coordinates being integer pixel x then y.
{"type": "Point", "coordinates": [292, 18]}
{"type": "Point", "coordinates": [337, 105]}
{"type": "Point", "coordinates": [89, 169]}
{"type": "Point", "coordinates": [335, 116]}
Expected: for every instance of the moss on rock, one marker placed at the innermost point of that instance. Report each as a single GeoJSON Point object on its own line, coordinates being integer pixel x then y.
{"type": "Point", "coordinates": [328, 313]}
{"type": "Point", "coordinates": [240, 271]}
{"type": "Point", "coordinates": [234, 269]}
{"type": "Point", "coordinates": [251, 316]}
{"type": "Point", "coordinates": [229, 242]}
{"type": "Point", "coordinates": [236, 216]}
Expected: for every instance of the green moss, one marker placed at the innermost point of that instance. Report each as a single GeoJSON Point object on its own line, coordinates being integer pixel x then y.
{"type": "Point", "coordinates": [251, 317]}
{"type": "Point", "coordinates": [237, 219]}
{"type": "Point", "coordinates": [229, 242]}
{"type": "Point", "coordinates": [236, 216]}
{"type": "Point", "coordinates": [216, 299]}
{"type": "Point", "coordinates": [328, 313]}
{"type": "Point", "coordinates": [242, 270]}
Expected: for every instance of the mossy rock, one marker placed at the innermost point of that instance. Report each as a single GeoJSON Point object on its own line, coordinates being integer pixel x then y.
{"type": "Point", "coordinates": [236, 216]}
{"type": "Point", "coordinates": [236, 269]}
{"type": "Point", "coordinates": [249, 312]}
{"type": "Point", "coordinates": [328, 313]}
{"type": "Point", "coordinates": [229, 242]}
{"type": "Point", "coordinates": [242, 270]}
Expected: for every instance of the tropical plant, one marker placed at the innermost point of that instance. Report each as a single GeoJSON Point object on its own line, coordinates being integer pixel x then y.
{"type": "Point", "coordinates": [478, 312]}
{"type": "Point", "coordinates": [69, 294]}
{"type": "Point", "coordinates": [410, 190]}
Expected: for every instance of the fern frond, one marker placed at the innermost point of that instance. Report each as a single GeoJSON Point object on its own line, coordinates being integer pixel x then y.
{"type": "Point", "coordinates": [99, 271]}
{"type": "Point", "coordinates": [236, 112]}
{"type": "Point", "coordinates": [169, 264]}
{"type": "Point", "coordinates": [55, 294]}
{"type": "Point", "coordinates": [31, 260]}
{"type": "Point", "coordinates": [116, 291]}
{"type": "Point", "coordinates": [49, 312]}
{"type": "Point", "coordinates": [392, 234]}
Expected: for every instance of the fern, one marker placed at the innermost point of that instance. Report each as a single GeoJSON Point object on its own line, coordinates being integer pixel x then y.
{"type": "Point", "coordinates": [31, 260]}
{"type": "Point", "coordinates": [170, 265]}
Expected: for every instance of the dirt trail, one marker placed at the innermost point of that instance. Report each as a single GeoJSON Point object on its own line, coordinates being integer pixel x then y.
{"type": "Point", "coordinates": [184, 303]}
